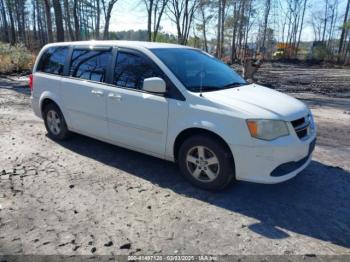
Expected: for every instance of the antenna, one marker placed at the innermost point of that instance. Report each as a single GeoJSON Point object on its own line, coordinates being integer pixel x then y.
{"type": "Point", "coordinates": [201, 77]}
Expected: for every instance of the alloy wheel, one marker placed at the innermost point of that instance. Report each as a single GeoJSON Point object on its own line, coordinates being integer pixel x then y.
{"type": "Point", "coordinates": [202, 163]}
{"type": "Point", "coordinates": [54, 122]}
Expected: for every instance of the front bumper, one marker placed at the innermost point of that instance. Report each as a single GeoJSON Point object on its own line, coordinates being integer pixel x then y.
{"type": "Point", "coordinates": [273, 162]}
{"type": "Point", "coordinates": [291, 166]}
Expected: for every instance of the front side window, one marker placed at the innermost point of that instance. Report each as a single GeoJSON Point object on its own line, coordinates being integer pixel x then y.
{"type": "Point", "coordinates": [131, 69]}
{"type": "Point", "coordinates": [90, 64]}
{"type": "Point", "coordinates": [197, 70]}
{"type": "Point", "coordinates": [53, 60]}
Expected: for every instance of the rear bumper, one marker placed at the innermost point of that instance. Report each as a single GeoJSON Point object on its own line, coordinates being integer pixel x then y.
{"type": "Point", "coordinates": [35, 106]}
{"type": "Point", "coordinates": [274, 162]}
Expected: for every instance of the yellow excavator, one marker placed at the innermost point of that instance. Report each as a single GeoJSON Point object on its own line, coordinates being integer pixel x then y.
{"type": "Point", "coordinates": [284, 50]}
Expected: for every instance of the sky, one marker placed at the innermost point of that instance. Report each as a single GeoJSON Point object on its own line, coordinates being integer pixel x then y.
{"type": "Point", "coordinates": [132, 15]}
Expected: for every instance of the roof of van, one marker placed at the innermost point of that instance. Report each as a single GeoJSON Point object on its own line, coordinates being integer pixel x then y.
{"type": "Point", "coordinates": [120, 43]}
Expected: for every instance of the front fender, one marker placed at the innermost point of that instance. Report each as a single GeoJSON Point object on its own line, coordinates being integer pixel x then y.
{"type": "Point", "coordinates": [232, 130]}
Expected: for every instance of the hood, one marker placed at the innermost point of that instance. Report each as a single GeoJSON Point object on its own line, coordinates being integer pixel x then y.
{"type": "Point", "coordinates": [259, 102]}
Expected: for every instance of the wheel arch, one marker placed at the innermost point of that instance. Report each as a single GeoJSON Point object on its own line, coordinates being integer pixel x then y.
{"type": "Point", "coordinates": [45, 102]}
{"type": "Point", "coordinates": [48, 97]}
{"type": "Point", "coordinates": [186, 133]}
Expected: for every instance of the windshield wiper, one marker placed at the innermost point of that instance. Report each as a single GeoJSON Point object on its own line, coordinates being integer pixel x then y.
{"type": "Point", "coordinates": [213, 88]}
{"type": "Point", "coordinates": [234, 84]}
{"type": "Point", "coordinates": [204, 88]}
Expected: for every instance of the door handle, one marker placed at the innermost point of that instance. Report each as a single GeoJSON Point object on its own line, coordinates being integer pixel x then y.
{"type": "Point", "coordinates": [115, 96]}
{"type": "Point", "coordinates": [97, 92]}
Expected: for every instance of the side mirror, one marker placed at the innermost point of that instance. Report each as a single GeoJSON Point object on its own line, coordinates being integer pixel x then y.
{"type": "Point", "coordinates": [154, 85]}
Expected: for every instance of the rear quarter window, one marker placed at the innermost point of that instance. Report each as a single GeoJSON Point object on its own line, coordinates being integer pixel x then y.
{"type": "Point", "coordinates": [53, 60]}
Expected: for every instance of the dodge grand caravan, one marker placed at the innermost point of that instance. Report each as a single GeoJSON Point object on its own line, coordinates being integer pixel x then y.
{"type": "Point", "coordinates": [176, 103]}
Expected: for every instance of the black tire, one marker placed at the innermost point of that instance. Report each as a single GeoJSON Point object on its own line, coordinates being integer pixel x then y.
{"type": "Point", "coordinates": [63, 129]}
{"type": "Point", "coordinates": [225, 174]}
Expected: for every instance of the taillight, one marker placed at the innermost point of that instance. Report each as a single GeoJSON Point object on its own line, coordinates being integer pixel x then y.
{"type": "Point", "coordinates": [31, 82]}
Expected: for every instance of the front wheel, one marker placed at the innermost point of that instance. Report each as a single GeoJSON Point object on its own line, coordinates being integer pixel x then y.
{"type": "Point", "coordinates": [206, 162]}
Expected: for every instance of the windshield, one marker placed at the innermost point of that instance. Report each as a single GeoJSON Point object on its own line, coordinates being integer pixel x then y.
{"type": "Point", "coordinates": [197, 70]}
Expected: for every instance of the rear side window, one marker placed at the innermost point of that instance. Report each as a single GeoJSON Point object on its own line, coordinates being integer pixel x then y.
{"type": "Point", "coordinates": [53, 60]}
{"type": "Point", "coordinates": [131, 69]}
{"type": "Point", "coordinates": [90, 64]}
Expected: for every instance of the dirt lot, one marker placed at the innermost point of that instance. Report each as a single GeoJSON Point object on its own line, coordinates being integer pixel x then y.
{"type": "Point", "coordinates": [306, 78]}
{"type": "Point", "coordinates": [87, 197]}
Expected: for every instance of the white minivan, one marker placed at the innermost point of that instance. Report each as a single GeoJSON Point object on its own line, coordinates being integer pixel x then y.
{"type": "Point", "coordinates": [176, 103]}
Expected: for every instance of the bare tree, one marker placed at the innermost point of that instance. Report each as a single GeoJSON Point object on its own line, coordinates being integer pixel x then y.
{"type": "Point", "coordinates": [295, 14]}
{"type": "Point", "coordinates": [58, 20]}
{"type": "Point", "coordinates": [98, 19]}
{"type": "Point", "coordinates": [236, 12]}
{"type": "Point", "coordinates": [333, 8]}
{"type": "Point", "coordinates": [325, 19]}
{"type": "Point", "coordinates": [35, 34]}
{"type": "Point", "coordinates": [344, 30]}
{"type": "Point", "coordinates": [4, 18]}
{"type": "Point", "coordinates": [149, 7]}
{"type": "Point", "coordinates": [222, 16]}
{"type": "Point", "coordinates": [19, 8]}
{"type": "Point", "coordinates": [12, 22]}
{"type": "Point", "coordinates": [248, 26]}
{"type": "Point", "coordinates": [182, 14]}
{"type": "Point", "coordinates": [222, 8]}
{"type": "Point", "coordinates": [68, 19]}
{"type": "Point", "coordinates": [204, 21]}
{"type": "Point", "coordinates": [40, 22]}
{"type": "Point", "coordinates": [48, 20]}
{"type": "Point", "coordinates": [107, 11]}
{"type": "Point", "coordinates": [158, 12]}
{"type": "Point", "coordinates": [155, 10]}
{"type": "Point", "coordinates": [218, 33]}
{"type": "Point", "coordinates": [301, 27]}
{"type": "Point", "coordinates": [266, 19]}
{"type": "Point", "coordinates": [76, 20]}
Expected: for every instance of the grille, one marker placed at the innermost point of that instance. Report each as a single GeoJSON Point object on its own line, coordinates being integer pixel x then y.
{"type": "Point", "coordinates": [301, 126]}
{"type": "Point", "coordinates": [298, 122]}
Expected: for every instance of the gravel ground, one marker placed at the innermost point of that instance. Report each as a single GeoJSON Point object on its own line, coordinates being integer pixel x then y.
{"type": "Point", "coordinates": [83, 196]}
{"type": "Point", "coordinates": [306, 78]}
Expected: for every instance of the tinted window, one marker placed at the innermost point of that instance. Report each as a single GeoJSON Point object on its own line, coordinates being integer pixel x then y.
{"type": "Point", "coordinates": [131, 69]}
{"type": "Point", "coordinates": [90, 64]}
{"type": "Point", "coordinates": [52, 61]}
{"type": "Point", "coordinates": [198, 70]}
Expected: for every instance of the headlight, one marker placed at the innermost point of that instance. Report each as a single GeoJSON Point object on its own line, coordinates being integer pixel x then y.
{"type": "Point", "coordinates": [267, 129]}
{"type": "Point", "coordinates": [312, 123]}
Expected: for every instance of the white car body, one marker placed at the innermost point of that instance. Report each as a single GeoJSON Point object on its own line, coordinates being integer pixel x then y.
{"type": "Point", "coordinates": [150, 123]}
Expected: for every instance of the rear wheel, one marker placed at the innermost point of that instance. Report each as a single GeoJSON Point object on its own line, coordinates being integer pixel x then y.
{"type": "Point", "coordinates": [206, 162]}
{"type": "Point", "coordinates": [55, 123]}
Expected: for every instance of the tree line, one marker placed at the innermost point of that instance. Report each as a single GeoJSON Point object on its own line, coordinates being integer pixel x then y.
{"type": "Point", "coordinates": [230, 29]}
